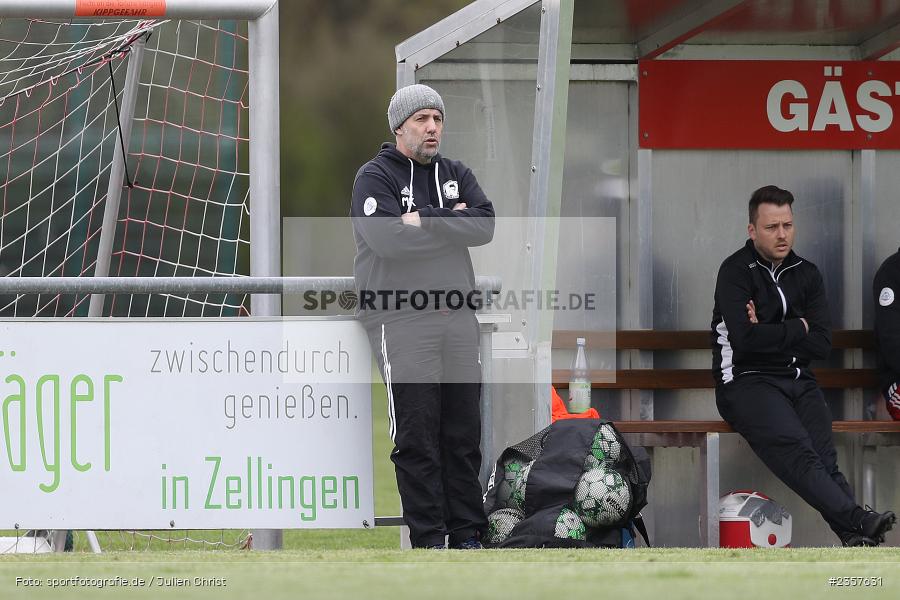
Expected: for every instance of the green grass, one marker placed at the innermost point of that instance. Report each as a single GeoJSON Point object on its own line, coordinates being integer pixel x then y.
{"type": "Point", "coordinates": [492, 574]}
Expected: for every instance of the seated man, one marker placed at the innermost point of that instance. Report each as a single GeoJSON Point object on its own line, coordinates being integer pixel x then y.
{"type": "Point", "coordinates": [770, 320]}
{"type": "Point", "coordinates": [887, 331]}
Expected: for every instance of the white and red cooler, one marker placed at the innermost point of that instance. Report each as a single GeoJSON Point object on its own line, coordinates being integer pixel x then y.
{"type": "Point", "coordinates": [749, 519]}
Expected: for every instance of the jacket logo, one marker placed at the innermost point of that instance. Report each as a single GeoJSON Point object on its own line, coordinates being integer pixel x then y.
{"type": "Point", "coordinates": [886, 298]}
{"type": "Point", "coordinates": [451, 190]}
{"type": "Point", "coordinates": [370, 206]}
{"type": "Point", "coordinates": [406, 199]}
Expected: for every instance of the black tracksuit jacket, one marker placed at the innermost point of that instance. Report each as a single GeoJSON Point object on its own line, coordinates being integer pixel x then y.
{"type": "Point", "coordinates": [779, 343]}
{"type": "Point", "coordinates": [886, 287]}
{"type": "Point", "coordinates": [392, 256]}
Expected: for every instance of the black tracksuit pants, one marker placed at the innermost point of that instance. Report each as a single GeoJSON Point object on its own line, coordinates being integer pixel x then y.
{"type": "Point", "coordinates": [431, 367]}
{"type": "Point", "coordinates": [787, 423]}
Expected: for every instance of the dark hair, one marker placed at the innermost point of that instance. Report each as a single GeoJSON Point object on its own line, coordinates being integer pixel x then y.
{"type": "Point", "coordinates": [769, 194]}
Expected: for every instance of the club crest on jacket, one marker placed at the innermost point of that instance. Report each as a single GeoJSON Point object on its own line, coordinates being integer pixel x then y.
{"type": "Point", "coordinates": [451, 190]}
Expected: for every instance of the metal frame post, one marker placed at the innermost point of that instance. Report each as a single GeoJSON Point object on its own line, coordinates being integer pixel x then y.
{"type": "Point", "coordinates": [487, 323]}
{"type": "Point", "coordinates": [485, 359]}
{"type": "Point", "coordinates": [117, 171]}
{"type": "Point", "coordinates": [864, 233]}
{"type": "Point", "coordinates": [865, 215]}
{"type": "Point", "coordinates": [265, 168]}
{"type": "Point", "coordinates": [639, 308]}
{"type": "Point", "coordinates": [709, 499]}
{"type": "Point", "coordinates": [457, 29]}
{"type": "Point", "coordinates": [856, 297]}
{"type": "Point", "coordinates": [194, 285]}
{"type": "Point", "coordinates": [869, 462]}
{"type": "Point", "coordinates": [406, 74]}
{"type": "Point", "coordinates": [869, 260]}
{"type": "Point", "coordinates": [111, 209]}
{"type": "Point", "coordinates": [265, 183]}
{"type": "Point", "coordinates": [548, 157]}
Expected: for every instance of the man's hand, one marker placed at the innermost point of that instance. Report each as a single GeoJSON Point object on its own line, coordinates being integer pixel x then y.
{"type": "Point", "coordinates": [460, 206]}
{"type": "Point", "coordinates": [411, 218]}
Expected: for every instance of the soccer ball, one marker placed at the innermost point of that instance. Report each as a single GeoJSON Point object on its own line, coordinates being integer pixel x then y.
{"type": "Point", "coordinates": [591, 462]}
{"type": "Point", "coordinates": [569, 526]}
{"type": "Point", "coordinates": [501, 523]}
{"type": "Point", "coordinates": [596, 456]}
{"type": "Point", "coordinates": [602, 497]}
{"type": "Point", "coordinates": [507, 478]}
{"type": "Point", "coordinates": [511, 489]}
{"type": "Point", "coordinates": [517, 495]}
{"type": "Point", "coordinates": [608, 443]}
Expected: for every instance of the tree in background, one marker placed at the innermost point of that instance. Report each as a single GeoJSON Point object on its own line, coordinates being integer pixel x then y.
{"type": "Point", "coordinates": [338, 72]}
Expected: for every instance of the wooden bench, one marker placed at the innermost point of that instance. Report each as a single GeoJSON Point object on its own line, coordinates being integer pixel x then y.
{"type": "Point", "coordinates": [705, 434]}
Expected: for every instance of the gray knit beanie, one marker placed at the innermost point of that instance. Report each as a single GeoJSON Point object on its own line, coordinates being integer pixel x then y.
{"type": "Point", "coordinates": [410, 99]}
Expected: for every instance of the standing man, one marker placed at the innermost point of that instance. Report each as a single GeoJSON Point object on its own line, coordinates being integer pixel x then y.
{"type": "Point", "coordinates": [886, 286]}
{"type": "Point", "coordinates": [415, 214]}
{"type": "Point", "coordinates": [770, 320]}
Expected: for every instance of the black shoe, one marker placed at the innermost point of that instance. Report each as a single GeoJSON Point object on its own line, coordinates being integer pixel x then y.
{"type": "Point", "coordinates": [470, 544]}
{"type": "Point", "coordinates": [850, 539]}
{"type": "Point", "coordinates": [874, 525]}
{"type": "Point", "coordinates": [436, 547]}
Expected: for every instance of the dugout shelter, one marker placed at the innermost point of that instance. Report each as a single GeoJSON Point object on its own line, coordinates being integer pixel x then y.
{"type": "Point", "coordinates": [626, 136]}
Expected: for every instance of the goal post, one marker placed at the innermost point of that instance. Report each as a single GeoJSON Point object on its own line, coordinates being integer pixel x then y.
{"type": "Point", "coordinates": [117, 171]}
{"type": "Point", "coordinates": [258, 163]}
{"type": "Point", "coordinates": [244, 10]}
{"type": "Point", "coordinates": [87, 44]}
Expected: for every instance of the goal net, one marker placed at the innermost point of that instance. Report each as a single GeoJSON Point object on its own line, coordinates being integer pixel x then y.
{"type": "Point", "coordinates": [184, 206]}
{"type": "Point", "coordinates": [184, 200]}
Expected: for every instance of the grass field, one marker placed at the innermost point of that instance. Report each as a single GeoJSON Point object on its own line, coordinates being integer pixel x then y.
{"type": "Point", "coordinates": [491, 574]}
{"type": "Point", "coordinates": [368, 564]}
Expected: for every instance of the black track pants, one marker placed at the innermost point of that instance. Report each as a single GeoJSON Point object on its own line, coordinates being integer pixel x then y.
{"type": "Point", "coordinates": [788, 425]}
{"type": "Point", "coordinates": [431, 367]}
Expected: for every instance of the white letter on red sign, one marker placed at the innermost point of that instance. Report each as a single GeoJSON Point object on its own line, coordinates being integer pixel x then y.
{"type": "Point", "coordinates": [866, 101]}
{"type": "Point", "coordinates": [799, 111]}
{"type": "Point", "coordinates": [832, 98]}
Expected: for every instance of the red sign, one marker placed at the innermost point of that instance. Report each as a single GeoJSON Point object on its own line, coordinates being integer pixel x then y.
{"type": "Point", "coordinates": [120, 8]}
{"type": "Point", "coordinates": [769, 104]}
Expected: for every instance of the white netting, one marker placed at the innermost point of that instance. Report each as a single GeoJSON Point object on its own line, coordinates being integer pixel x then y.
{"type": "Point", "coordinates": [187, 212]}
{"type": "Point", "coordinates": [36, 542]}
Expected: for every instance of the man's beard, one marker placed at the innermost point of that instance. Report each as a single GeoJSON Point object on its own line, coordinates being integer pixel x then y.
{"type": "Point", "coordinates": [422, 154]}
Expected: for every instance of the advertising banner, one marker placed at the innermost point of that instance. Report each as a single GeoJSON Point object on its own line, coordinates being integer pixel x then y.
{"type": "Point", "coordinates": [153, 424]}
{"type": "Point", "coordinates": [769, 104]}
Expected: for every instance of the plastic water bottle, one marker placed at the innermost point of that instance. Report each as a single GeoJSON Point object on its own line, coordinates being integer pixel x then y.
{"type": "Point", "coordinates": [580, 382]}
